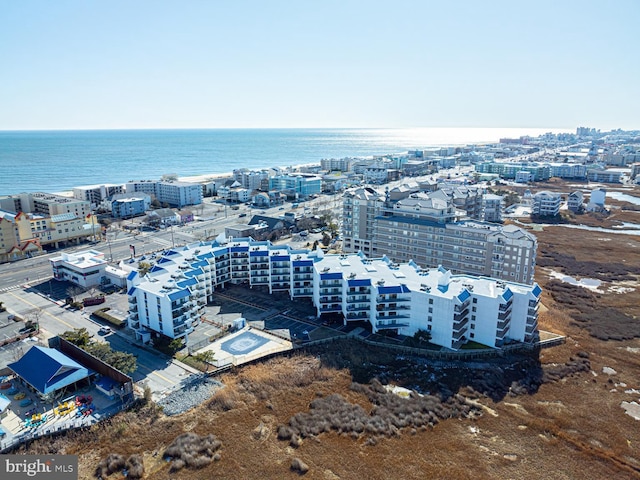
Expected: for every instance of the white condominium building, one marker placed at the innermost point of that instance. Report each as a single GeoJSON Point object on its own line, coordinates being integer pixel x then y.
{"type": "Point", "coordinates": [170, 299]}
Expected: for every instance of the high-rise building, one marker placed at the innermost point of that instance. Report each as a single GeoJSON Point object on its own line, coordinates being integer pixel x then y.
{"type": "Point", "coordinates": [431, 231]}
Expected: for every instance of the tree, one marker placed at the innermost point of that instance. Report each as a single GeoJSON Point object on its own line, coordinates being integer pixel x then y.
{"type": "Point", "coordinates": [125, 362]}
{"type": "Point", "coordinates": [78, 336]}
{"type": "Point", "coordinates": [326, 239]}
{"type": "Point", "coordinates": [422, 336]}
{"type": "Point", "coordinates": [206, 357]}
{"type": "Point", "coordinates": [143, 268]}
{"type": "Point", "coordinates": [74, 291]}
{"type": "Point", "coordinates": [32, 318]}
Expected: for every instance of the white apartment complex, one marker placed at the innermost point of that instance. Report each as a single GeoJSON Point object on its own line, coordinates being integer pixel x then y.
{"type": "Point", "coordinates": [96, 194]}
{"type": "Point", "coordinates": [170, 299]}
{"type": "Point", "coordinates": [175, 194]}
{"type": "Point", "coordinates": [429, 230]}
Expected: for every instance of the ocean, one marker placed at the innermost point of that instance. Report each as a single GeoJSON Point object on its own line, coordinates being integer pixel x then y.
{"type": "Point", "coordinates": [55, 161]}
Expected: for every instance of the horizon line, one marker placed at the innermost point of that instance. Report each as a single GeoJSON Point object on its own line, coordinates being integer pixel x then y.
{"type": "Point", "coordinates": [106, 129]}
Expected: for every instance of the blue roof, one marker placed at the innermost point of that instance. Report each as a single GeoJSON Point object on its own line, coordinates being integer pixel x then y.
{"type": "Point", "coordinates": [132, 275]}
{"type": "Point", "coordinates": [164, 260]}
{"type": "Point", "coordinates": [393, 289]}
{"type": "Point", "coordinates": [193, 273]}
{"type": "Point", "coordinates": [359, 283]}
{"type": "Point", "coordinates": [240, 249]}
{"type": "Point", "coordinates": [131, 291]}
{"type": "Point", "coordinates": [205, 255]}
{"type": "Point", "coordinates": [536, 290]}
{"type": "Point", "coordinates": [202, 263]}
{"type": "Point", "coordinates": [464, 295]}
{"type": "Point", "coordinates": [221, 252]}
{"type": "Point", "coordinates": [170, 252]}
{"type": "Point", "coordinates": [48, 370]}
{"type": "Point", "coordinates": [156, 268]}
{"type": "Point", "coordinates": [259, 253]}
{"type": "Point", "coordinates": [331, 276]}
{"type": "Point", "coordinates": [302, 263]}
{"type": "Point", "coordinates": [280, 258]}
{"type": "Point", "coordinates": [187, 283]}
{"type": "Point", "coordinates": [507, 295]}
{"type": "Point", "coordinates": [443, 288]}
{"type": "Point", "coordinates": [179, 294]}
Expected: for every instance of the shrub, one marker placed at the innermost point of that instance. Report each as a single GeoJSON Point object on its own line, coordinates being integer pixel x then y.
{"type": "Point", "coordinates": [135, 467]}
{"type": "Point", "coordinates": [192, 451]}
{"type": "Point", "coordinates": [298, 465]}
{"type": "Point", "coordinates": [113, 463]}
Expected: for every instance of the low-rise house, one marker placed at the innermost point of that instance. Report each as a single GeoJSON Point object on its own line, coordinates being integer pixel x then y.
{"type": "Point", "coordinates": [575, 201]}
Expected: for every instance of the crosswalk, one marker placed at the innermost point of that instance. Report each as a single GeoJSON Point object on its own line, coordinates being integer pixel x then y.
{"type": "Point", "coordinates": [8, 289]}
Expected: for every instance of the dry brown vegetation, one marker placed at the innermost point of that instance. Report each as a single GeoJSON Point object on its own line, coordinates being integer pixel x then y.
{"type": "Point", "coordinates": [324, 415]}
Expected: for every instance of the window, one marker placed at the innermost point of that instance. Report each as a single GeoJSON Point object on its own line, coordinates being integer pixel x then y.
{"type": "Point", "coordinates": [475, 300]}
{"type": "Point", "coordinates": [430, 310]}
{"type": "Point", "coordinates": [473, 309]}
{"type": "Point", "coordinates": [431, 301]}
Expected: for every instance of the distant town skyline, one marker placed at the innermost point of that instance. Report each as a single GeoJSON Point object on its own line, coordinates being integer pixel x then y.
{"type": "Point", "coordinates": [334, 64]}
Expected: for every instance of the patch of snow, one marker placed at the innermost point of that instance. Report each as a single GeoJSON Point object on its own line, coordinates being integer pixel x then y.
{"type": "Point", "coordinates": [632, 409]}
{"type": "Point", "coordinates": [609, 371]}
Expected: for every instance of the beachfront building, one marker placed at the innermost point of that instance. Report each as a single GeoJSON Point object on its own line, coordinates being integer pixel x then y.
{"type": "Point", "coordinates": [173, 193]}
{"type": "Point", "coordinates": [405, 298]}
{"type": "Point", "coordinates": [431, 231]}
{"type": "Point", "coordinates": [96, 194]}
{"type": "Point", "coordinates": [252, 180]}
{"type": "Point", "coordinates": [546, 204]}
{"type": "Point", "coordinates": [296, 185]}
{"type": "Point", "coordinates": [46, 204]}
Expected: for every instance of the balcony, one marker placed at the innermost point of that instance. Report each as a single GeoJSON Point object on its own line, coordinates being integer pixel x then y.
{"type": "Point", "coordinates": [390, 325]}
{"type": "Point", "coordinates": [502, 325]}
{"type": "Point", "coordinates": [384, 299]}
{"type": "Point", "coordinates": [504, 315]}
{"type": "Point", "coordinates": [358, 308]}
{"type": "Point", "coordinates": [357, 316]}
{"type": "Point", "coordinates": [357, 299]}
{"type": "Point", "coordinates": [133, 300]}
{"type": "Point", "coordinates": [134, 325]}
{"type": "Point", "coordinates": [391, 316]}
{"type": "Point", "coordinates": [331, 308]}
{"type": "Point", "coordinates": [457, 326]}
{"type": "Point", "coordinates": [392, 307]}
{"type": "Point", "coordinates": [461, 315]}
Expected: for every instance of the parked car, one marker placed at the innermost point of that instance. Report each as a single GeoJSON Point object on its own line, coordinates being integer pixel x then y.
{"type": "Point", "coordinates": [105, 330]}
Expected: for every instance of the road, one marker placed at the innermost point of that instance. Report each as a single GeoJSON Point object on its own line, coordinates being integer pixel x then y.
{"type": "Point", "coordinates": [157, 371]}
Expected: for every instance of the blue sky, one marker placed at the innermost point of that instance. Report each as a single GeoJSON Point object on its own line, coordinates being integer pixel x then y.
{"type": "Point", "coordinates": [216, 64]}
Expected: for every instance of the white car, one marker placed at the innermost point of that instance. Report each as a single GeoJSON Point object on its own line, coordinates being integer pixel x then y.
{"type": "Point", "coordinates": [105, 330]}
